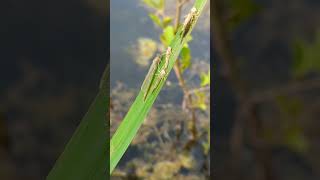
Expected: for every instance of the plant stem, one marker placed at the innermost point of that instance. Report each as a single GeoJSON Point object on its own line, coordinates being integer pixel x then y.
{"type": "Point", "coordinates": [180, 78]}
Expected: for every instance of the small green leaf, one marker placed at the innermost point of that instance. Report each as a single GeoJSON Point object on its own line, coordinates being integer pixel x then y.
{"type": "Point", "coordinates": [166, 21]}
{"type": "Point", "coordinates": [149, 3]}
{"type": "Point", "coordinates": [156, 4]}
{"type": "Point", "coordinates": [306, 57]}
{"type": "Point", "coordinates": [205, 79]}
{"type": "Point", "coordinates": [167, 35]}
{"type": "Point", "coordinates": [200, 101]}
{"type": "Point", "coordinates": [160, 4]}
{"type": "Point", "coordinates": [185, 59]}
{"type": "Point", "coordinates": [156, 20]}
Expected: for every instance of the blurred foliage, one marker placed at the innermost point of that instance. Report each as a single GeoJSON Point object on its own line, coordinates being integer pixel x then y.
{"type": "Point", "coordinates": [161, 23]}
{"type": "Point", "coordinates": [306, 57]}
{"type": "Point", "coordinates": [167, 36]}
{"type": "Point", "coordinates": [185, 59]}
{"type": "Point", "coordinates": [205, 79]}
{"type": "Point", "coordinates": [279, 129]}
{"type": "Point", "coordinates": [200, 101]}
{"type": "Point", "coordinates": [240, 11]}
{"type": "Point", "coordinates": [156, 4]}
{"type": "Point", "coordinates": [293, 133]}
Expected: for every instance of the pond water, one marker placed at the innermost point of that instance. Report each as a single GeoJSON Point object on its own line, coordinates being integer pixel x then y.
{"type": "Point", "coordinates": [129, 21]}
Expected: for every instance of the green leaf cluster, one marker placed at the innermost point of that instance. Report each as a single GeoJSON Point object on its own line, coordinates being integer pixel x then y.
{"type": "Point", "coordinates": [200, 101]}
{"type": "Point", "coordinates": [156, 4]}
{"type": "Point", "coordinates": [162, 23]}
{"type": "Point", "coordinates": [205, 79]}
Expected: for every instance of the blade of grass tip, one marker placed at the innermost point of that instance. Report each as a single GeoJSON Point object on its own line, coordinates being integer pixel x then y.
{"type": "Point", "coordinates": [129, 126]}
{"type": "Point", "coordinates": [86, 155]}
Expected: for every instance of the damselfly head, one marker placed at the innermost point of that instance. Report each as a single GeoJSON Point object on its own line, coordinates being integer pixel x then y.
{"type": "Point", "coordinates": [193, 10]}
{"type": "Point", "coordinates": [169, 49]}
{"type": "Point", "coordinates": [157, 58]}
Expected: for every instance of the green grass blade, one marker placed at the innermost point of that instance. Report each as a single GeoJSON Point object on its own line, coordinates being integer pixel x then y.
{"type": "Point", "coordinates": [139, 109]}
{"type": "Point", "coordinates": [86, 155]}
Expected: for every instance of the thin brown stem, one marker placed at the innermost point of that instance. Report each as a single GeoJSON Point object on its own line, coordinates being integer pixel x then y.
{"type": "Point", "coordinates": [178, 73]}
{"type": "Point", "coordinates": [178, 14]}
{"type": "Point", "coordinates": [188, 97]}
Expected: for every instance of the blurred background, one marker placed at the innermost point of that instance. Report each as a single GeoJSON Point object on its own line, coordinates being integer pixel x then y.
{"type": "Point", "coordinates": [266, 89]}
{"type": "Point", "coordinates": [173, 141]}
{"type": "Point", "coordinates": [52, 55]}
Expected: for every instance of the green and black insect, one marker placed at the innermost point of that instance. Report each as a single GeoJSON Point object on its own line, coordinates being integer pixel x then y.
{"type": "Point", "coordinates": [189, 21]}
{"type": "Point", "coordinates": [153, 79]}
